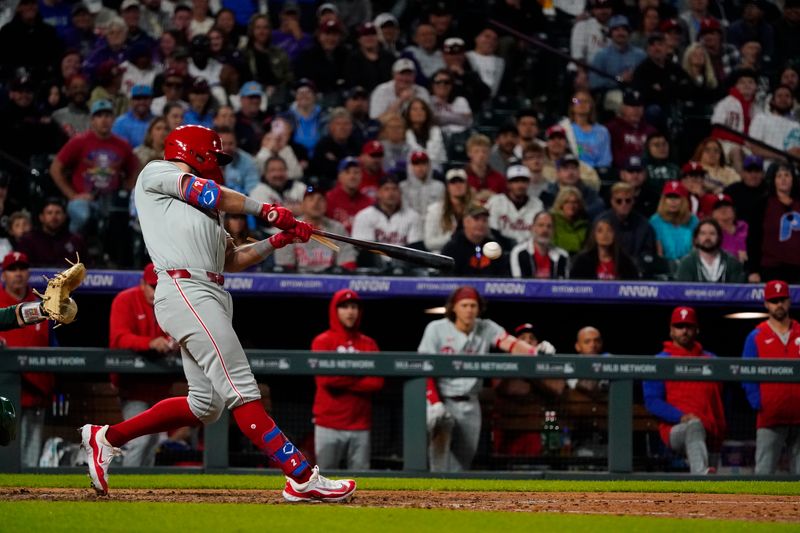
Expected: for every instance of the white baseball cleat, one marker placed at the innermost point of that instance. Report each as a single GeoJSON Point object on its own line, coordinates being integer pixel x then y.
{"type": "Point", "coordinates": [99, 454]}
{"type": "Point", "coordinates": [319, 489]}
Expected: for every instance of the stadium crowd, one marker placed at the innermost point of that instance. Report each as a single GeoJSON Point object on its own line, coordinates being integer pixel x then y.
{"type": "Point", "coordinates": [666, 149]}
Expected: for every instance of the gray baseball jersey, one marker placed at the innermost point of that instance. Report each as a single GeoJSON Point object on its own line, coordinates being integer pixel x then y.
{"type": "Point", "coordinates": [441, 336]}
{"type": "Point", "coordinates": [190, 307]}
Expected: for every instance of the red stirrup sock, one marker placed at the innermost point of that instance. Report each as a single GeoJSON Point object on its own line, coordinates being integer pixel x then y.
{"type": "Point", "coordinates": [168, 414]}
{"type": "Point", "coordinates": [254, 422]}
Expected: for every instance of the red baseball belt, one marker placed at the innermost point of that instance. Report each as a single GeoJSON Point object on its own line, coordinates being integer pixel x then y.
{"type": "Point", "coordinates": [182, 273]}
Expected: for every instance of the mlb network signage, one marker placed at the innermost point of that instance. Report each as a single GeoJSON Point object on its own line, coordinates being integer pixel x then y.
{"type": "Point", "coordinates": [112, 281]}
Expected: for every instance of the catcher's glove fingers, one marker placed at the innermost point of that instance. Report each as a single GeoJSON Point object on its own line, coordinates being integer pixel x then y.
{"type": "Point", "coordinates": [56, 301]}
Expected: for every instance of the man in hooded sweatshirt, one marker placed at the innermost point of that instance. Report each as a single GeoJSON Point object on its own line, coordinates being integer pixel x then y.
{"type": "Point", "coordinates": [343, 404]}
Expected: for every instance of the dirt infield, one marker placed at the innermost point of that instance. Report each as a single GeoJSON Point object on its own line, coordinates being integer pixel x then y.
{"type": "Point", "coordinates": [674, 505]}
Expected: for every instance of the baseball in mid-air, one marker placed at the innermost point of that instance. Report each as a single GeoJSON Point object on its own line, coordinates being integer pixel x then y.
{"type": "Point", "coordinates": [492, 250]}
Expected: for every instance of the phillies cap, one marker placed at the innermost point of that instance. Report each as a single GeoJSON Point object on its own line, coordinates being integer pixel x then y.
{"type": "Point", "coordinates": [456, 174]}
{"type": "Point", "coordinates": [149, 275]}
{"type": "Point", "coordinates": [709, 202]}
{"type": "Point", "coordinates": [331, 26]}
{"type": "Point", "coordinates": [693, 168]}
{"type": "Point", "coordinates": [670, 25]}
{"type": "Point", "coordinates": [366, 28]}
{"type": "Point", "coordinates": [554, 131]}
{"type": "Point", "coordinates": [527, 327]}
{"type": "Point", "coordinates": [346, 295]}
{"type": "Point", "coordinates": [251, 88]}
{"type": "Point", "coordinates": [516, 172]}
{"type": "Point", "coordinates": [402, 65]}
{"type": "Point", "coordinates": [347, 162]}
{"type": "Point", "coordinates": [708, 25]}
{"type": "Point", "coordinates": [773, 290]}
{"type": "Point", "coordinates": [419, 157]}
{"type": "Point", "coordinates": [675, 188]}
{"type": "Point", "coordinates": [372, 148]}
{"type": "Point", "coordinates": [15, 258]}
{"type": "Point", "coordinates": [683, 315]}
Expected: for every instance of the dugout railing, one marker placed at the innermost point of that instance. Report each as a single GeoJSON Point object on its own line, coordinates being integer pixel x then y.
{"type": "Point", "coordinates": [413, 368]}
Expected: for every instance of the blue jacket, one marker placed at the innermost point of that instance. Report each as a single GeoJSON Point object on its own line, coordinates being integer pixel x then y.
{"type": "Point", "coordinates": [241, 174]}
{"type": "Point", "coordinates": [614, 61]}
{"type": "Point", "coordinates": [131, 128]}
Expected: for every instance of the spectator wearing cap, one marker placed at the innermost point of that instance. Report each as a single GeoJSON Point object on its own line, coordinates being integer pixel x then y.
{"type": "Point", "coordinates": [28, 42]}
{"type": "Point", "coordinates": [568, 175]}
{"type": "Point", "coordinates": [556, 147]}
{"type": "Point", "coordinates": [356, 102]}
{"type": "Point", "coordinates": [306, 115]}
{"type": "Point", "coordinates": [74, 117]}
{"type": "Point", "coordinates": [289, 36]}
{"type": "Point", "coordinates": [646, 193]}
{"type": "Point", "coordinates": [111, 46]}
{"type": "Point", "coordinates": [99, 163]}
{"type": "Point", "coordinates": [275, 186]}
{"type": "Point", "coordinates": [693, 177]}
{"type": "Point", "coordinates": [394, 95]}
{"type": "Point", "coordinates": [719, 174]}
{"type": "Point", "coordinates": [724, 56]}
{"type": "Point", "coordinates": [201, 105]}
{"type": "Point", "coordinates": [660, 168]}
{"type": "Point", "coordinates": [777, 127]}
{"type": "Point", "coordinates": [443, 218]}
{"type": "Point", "coordinates": [277, 142]}
{"type": "Point", "coordinates": [340, 142]}
{"type": "Point", "coordinates": [345, 199]}
{"type": "Point", "coordinates": [748, 195]}
{"type": "Point", "coordinates": [589, 140]}
{"type": "Point", "coordinates": [619, 58]}
{"type": "Point", "coordinates": [602, 257]}
{"type": "Point", "coordinates": [691, 414]}
{"type": "Point", "coordinates": [482, 178]}
{"type": "Point", "coordinates": [773, 238]}
{"type": "Point", "coordinates": [485, 61]}
{"type": "Point", "coordinates": [590, 35]}
{"type": "Point", "coordinates": [720, 207]}
{"type": "Point", "coordinates": [425, 52]}
{"type": "Point", "coordinates": [352, 12]}
{"type": "Point", "coordinates": [313, 257]}
{"type": "Point", "coordinates": [132, 126]}
{"type": "Point", "coordinates": [660, 81]}
{"type": "Point", "coordinates": [778, 420]}
{"type": "Point", "coordinates": [131, 11]}
{"type": "Point", "coordinates": [389, 33]}
{"type": "Point", "coordinates": [503, 150]}
{"type": "Point", "coordinates": [368, 65]}
{"type": "Point", "coordinates": [752, 27]}
{"type": "Point", "coordinates": [133, 326]}
{"type": "Point", "coordinates": [371, 167]}
{"type": "Point", "coordinates": [570, 222]}
{"type": "Point", "coordinates": [173, 85]}
{"type": "Point", "coordinates": [420, 189]}
{"type": "Point", "coordinates": [511, 213]}
{"type": "Point", "coordinates": [634, 233]}
{"type": "Point", "coordinates": [37, 387]}
{"type": "Point", "coordinates": [252, 121]}
{"type": "Point", "coordinates": [47, 244]}
{"type": "Point", "coordinates": [466, 246]}
{"type": "Point", "coordinates": [324, 62]}
{"type": "Point", "coordinates": [466, 82]}
{"type": "Point", "coordinates": [736, 111]}
{"type": "Point", "coordinates": [538, 257]}
{"type": "Point", "coordinates": [629, 130]}
{"type": "Point", "coordinates": [241, 174]}
{"type": "Point", "coordinates": [673, 222]}
{"type": "Point", "coordinates": [708, 262]}
{"type": "Point", "coordinates": [203, 66]}
{"type": "Point", "coordinates": [267, 64]}
{"type": "Point", "coordinates": [422, 133]}
{"type": "Point", "coordinates": [396, 149]}
{"type": "Point", "coordinates": [388, 220]}
{"type": "Point", "coordinates": [138, 67]}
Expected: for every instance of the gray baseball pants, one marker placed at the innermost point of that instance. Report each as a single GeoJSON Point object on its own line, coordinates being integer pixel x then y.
{"type": "Point", "coordinates": [769, 445]}
{"type": "Point", "coordinates": [332, 446]}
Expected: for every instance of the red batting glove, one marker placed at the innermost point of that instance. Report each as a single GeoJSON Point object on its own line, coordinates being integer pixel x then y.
{"type": "Point", "coordinates": [301, 233]}
{"type": "Point", "coordinates": [302, 230]}
{"type": "Point", "coordinates": [278, 216]}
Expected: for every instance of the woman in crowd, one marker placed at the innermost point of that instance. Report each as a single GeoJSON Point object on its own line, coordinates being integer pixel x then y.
{"type": "Point", "coordinates": [152, 148]}
{"type": "Point", "coordinates": [673, 222]}
{"type": "Point", "coordinates": [648, 25]}
{"type": "Point", "coordinates": [773, 243]}
{"type": "Point", "coordinates": [452, 113]}
{"type": "Point", "coordinates": [174, 114]}
{"type": "Point", "coordinates": [267, 64]}
{"type": "Point", "coordinates": [423, 134]}
{"type": "Point", "coordinates": [225, 21]}
{"type": "Point", "coordinates": [734, 232]}
{"type": "Point", "coordinates": [201, 105]}
{"type": "Point", "coordinates": [570, 223]}
{"type": "Point", "coordinates": [392, 135]}
{"type": "Point", "coordinates": [589, 140]}
{"type": "Point", "coordinates": [719, 174]}
{"type": "Point", "coordinates": [703, 90]}
{"type": "Point", "coordinates": [603, 258]}
{"type": "Point", "coordinates": [443, 217]}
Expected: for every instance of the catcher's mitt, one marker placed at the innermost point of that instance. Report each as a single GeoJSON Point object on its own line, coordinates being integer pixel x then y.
{"type": "Point", "coordinates": [56, 303]}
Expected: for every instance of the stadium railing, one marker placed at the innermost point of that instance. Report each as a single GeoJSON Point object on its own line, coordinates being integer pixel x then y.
{"type": "Point", "coordinates": [413, 368]}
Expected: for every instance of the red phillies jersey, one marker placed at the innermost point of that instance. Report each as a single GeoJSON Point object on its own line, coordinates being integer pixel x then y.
{"type": "Point", "coordinates": [494, 181]}
{"type": "Point", "coordinates": [343, 208]}
{"type": "Point", "coordinates": [98, 165]}
{"type": "Point", "coordinates": [344, 402]}
{"type": "Point", "coordinates": [37, 386]}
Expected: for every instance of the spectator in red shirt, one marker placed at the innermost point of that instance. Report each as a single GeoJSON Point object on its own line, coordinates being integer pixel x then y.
{"type": "Point", "coordinates": [343, 404]}
{"type": "Point", "coordinates": [99, 164]}
{"type": "Point", "coordinates": [133, 327]}
{"type": "Point", "coordinates": [483, 179]}
{"type": "Point", "coordinates": [778, 420]}
{"type": "Point", "coordinates": [37, 387]}
{"type": "Point", "coordinates": [629, 131]}
{"type": "Point", "coordinates": [51, 242]}
{"type": "Point", "coordinates": [371, 167]}
{"type": "Point", "coordinates": [691, 412]}
{"type": "Point", "coordinates": [345, 199]}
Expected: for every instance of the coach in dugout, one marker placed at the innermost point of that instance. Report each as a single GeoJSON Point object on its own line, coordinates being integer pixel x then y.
{"type": "Point", "coordinates": [778, 421]}
{"type": "Point", "coordinates": [343, 404]}
{"type": "Point", "coordinates": [691, 415]}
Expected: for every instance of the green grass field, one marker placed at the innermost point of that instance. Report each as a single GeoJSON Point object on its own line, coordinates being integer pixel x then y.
{"type": "Point", "coordinates": [128, 516]}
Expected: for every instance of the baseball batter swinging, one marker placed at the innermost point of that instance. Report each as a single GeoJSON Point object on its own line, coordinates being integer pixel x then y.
{"type": "Point", "coordinates": [180, 201]}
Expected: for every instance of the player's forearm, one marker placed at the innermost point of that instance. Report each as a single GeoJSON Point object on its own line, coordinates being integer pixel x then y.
{"type": "Point", "coordinates": [513, 345]}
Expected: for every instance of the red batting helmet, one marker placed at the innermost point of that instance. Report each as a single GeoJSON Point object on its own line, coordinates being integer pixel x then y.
{"type": "Point", "coordinates": [198, 147]}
